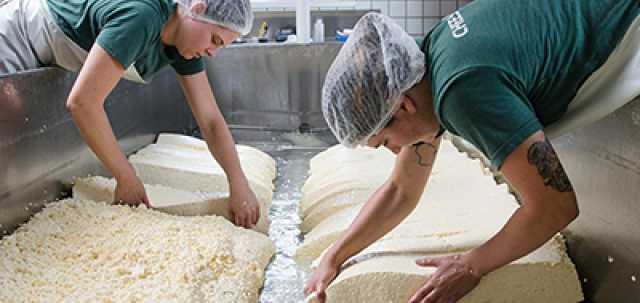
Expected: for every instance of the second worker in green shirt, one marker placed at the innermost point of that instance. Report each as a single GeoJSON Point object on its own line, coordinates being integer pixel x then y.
{"type": "Point", "coordinates": [504, 75]}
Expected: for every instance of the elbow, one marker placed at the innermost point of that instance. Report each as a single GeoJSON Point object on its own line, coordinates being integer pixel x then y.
{"type": "Point", "coordinates": [75, 105]}
{"type": "Point", "coordinates": [574, 212]}
{"type": "Point", "coordinates": [72, 105]}
{"type": "Point", "coordinates": [568, 211]}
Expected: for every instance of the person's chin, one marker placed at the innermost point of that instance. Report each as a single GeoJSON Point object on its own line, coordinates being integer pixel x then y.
{"type": "Point", "coordinates": [185, 55]}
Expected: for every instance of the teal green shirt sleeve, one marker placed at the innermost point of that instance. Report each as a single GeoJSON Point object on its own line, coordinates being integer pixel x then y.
{"type": "Point", "coordinates": [127, 31]}
{"type": "Point", "coordinates": [488, 108]}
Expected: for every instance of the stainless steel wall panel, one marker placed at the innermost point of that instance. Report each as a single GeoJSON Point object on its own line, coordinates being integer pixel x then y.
{"type": "Point", "coordinates": [603, 163]}
{"type": "Point", "coordinates": [40, 147]}
{"type": "Point", "coordinates": [273, 85]}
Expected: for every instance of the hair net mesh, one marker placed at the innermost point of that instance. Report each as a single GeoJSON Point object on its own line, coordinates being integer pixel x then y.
{"type": "Point", "coordinates": [378, 63]}
{"type": "Point", "coordinates": [235, 15]}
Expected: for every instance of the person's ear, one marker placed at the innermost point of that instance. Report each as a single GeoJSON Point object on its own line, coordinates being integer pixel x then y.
{"type": "Point", "coordinates": [407, 104]}
{"type": "Point", "coordinates": [198, 7]}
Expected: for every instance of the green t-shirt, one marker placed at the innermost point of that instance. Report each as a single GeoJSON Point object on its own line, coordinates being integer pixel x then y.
{"type": "Point", "coordinates": [129, 30]}
{"type": "Point", "coordinates": [501, 70]}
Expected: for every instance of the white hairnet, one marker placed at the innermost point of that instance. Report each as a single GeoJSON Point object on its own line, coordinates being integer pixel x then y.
{"type": "Point", "coordinates": [378, 63]}
{"type": "Point", "coordinates": [235, 15]}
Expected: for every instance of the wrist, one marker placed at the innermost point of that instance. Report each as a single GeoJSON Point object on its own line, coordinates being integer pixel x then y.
{"type": "Point", "coordinates": [475, 264]}
{"type": "Point", "coordinates": [330, 259]}
{"type": "Point", "coordinates": [238, 183]}
{"type": "Point", "coordinates": [125, 175]}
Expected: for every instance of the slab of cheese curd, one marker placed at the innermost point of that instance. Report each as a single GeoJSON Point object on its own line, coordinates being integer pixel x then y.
{"type": "Point", "coordinates": [257, 172]}
{"type": "Point", "coordinates": [460, 209]}
{"type": "Point", "coordinates": [333, 204]}
{"type": "Point", "coordinates": [362, 169]}
{"type": "Point", "coordinates": [197, 144]}
{"type": "Point", "coordinates": [149, 164]}
{"type": "Point", "coordinates": [85, 251]}
{"type": "Point", "coordinates": [341, 154]}
{"type": "Point", "coordinates": [546, 275]}
{"type": "Point", "coordinates": [459, 201]}
{"type": "Point", "coordinates": [189, 176]}
{"type": "Point", "coordinates": [181, 165]}
{"type": "Point", "coordinates": [324, 164]}
{"type": "Point", "coordinates": [252, 166]}
{"type": "Point", "coordinates": [166, 199]}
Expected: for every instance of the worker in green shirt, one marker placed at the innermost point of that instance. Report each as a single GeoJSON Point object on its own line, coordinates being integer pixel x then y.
{"type": "Point", "coordinates": [501, 74]}
{"type": "Point", "coordinates": [107, 40]}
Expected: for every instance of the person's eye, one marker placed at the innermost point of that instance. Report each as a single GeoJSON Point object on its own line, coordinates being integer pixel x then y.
{"type": "Point", "coordinates": [217, 41]}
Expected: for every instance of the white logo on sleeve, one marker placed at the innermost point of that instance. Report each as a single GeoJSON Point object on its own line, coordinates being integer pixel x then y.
{"type": "Point", "coordinates": [456, 23]}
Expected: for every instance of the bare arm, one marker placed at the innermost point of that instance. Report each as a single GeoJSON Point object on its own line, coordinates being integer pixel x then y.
{"type": "Point", "coordinates": [98, 76]}
{"type": "Point", "coordinates": [384, 210]}
{"type": "Point", "coordinates": [548, 205]}
{"type": "Point", "coordinates": [390, 204]}
{"type": "Point", "coordinates": [218, 137]}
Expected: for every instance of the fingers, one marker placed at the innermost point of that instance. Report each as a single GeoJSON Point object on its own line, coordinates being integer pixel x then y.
{"type": "Point", "coordinates": [236, 219]}
{"type": "Point", "coordinates": [423, 292]}
{"type": "Point", "coordinates": [320, 294]}
{"type": "Point", "coordinates": [247, 221]}
{"type": "Point", "coordinates": [433, 297]}
{"type": "Point", "coordinates": [317, 289]}
{"type": "Point", "coordinates": [429, 262]}
{"type": "Point", "coordinates": [256, 215]}
{"type": "Point", "coordinates": [145, 200]}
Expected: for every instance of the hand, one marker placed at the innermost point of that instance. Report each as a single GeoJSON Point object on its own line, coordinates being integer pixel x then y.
{"type": "Point", "coordinates": [320, 280]}
{"type": "Point", "coordinates": [244, 207]}
{"type": "Point", "coordinates": [453, 279]}
{"type": "Point", "coordinates": [131, 192]}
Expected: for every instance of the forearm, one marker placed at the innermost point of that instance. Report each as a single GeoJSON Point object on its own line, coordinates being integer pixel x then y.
{"type": "Point", "coordinates": [527, 229]}
{"type": "Point", "coordinates": [390, 204]}
{"type": "Point", "coordinates": [386, 208]}
{"type": "Point", "coordinates": [214, 129]}
{"type": "Point", "coordinates": [96, 131]}
{"type": "Point", "coordinates": [548, 205]}
{"type": "Point", "coordinates": [223, 149]}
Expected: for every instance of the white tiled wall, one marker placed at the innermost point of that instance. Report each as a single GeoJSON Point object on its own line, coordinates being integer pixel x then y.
{"type": "Point", "coordinates": [417, 17]}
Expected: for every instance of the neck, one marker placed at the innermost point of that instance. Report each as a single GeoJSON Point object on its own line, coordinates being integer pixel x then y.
{"type": "Point", "coordinates": [428, 122]}
{"type": "Point", "coordinates": [169, 29]}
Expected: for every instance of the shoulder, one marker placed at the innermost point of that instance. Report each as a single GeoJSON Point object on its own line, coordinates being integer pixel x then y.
{"type": "Point", "coordinates": [140, 13]}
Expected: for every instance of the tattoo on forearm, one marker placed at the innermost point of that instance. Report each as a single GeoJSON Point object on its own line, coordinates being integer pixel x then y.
{"type": "Point", "coordinates": [417, 146]}
{"type": "Point", "coordinates": [544, 158]}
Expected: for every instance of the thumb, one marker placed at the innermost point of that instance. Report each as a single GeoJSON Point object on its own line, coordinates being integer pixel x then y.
{"type": "Point", "coordinates": [320, 294]}
{"type": "Point", "coordinates": [428, 262]}
{"type": "Point", "coordinates": [146, 201]}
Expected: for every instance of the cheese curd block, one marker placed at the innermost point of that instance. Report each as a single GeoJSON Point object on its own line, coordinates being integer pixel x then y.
{"type": "Point", "coordinates": [460, 209]}
{"type": "Point", "coordinates": [341, 177]}
{"type": "Point", "coordinates": [85, 251]}
{"type": "Point", "coordinates": [166, 199]}
{"type": "Point", "coordinates": [189, 176]}
{"type": "Point", "coordinates": [325, 163]}
{"type": "Point", "coordinates": [154, 162]}
{"type": "Point", "coordinates": [191, 143]}
{"type": "Point", "coordinates": [260, 173]}
{"type": "Point", "coordinates": [546, 275]}
{"type": "Point", "coordinates": [333, 204]}
{"type": "Point", "coordinates": [339, 155]}
{"type": "Point", "coordinates": [468, 214]}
